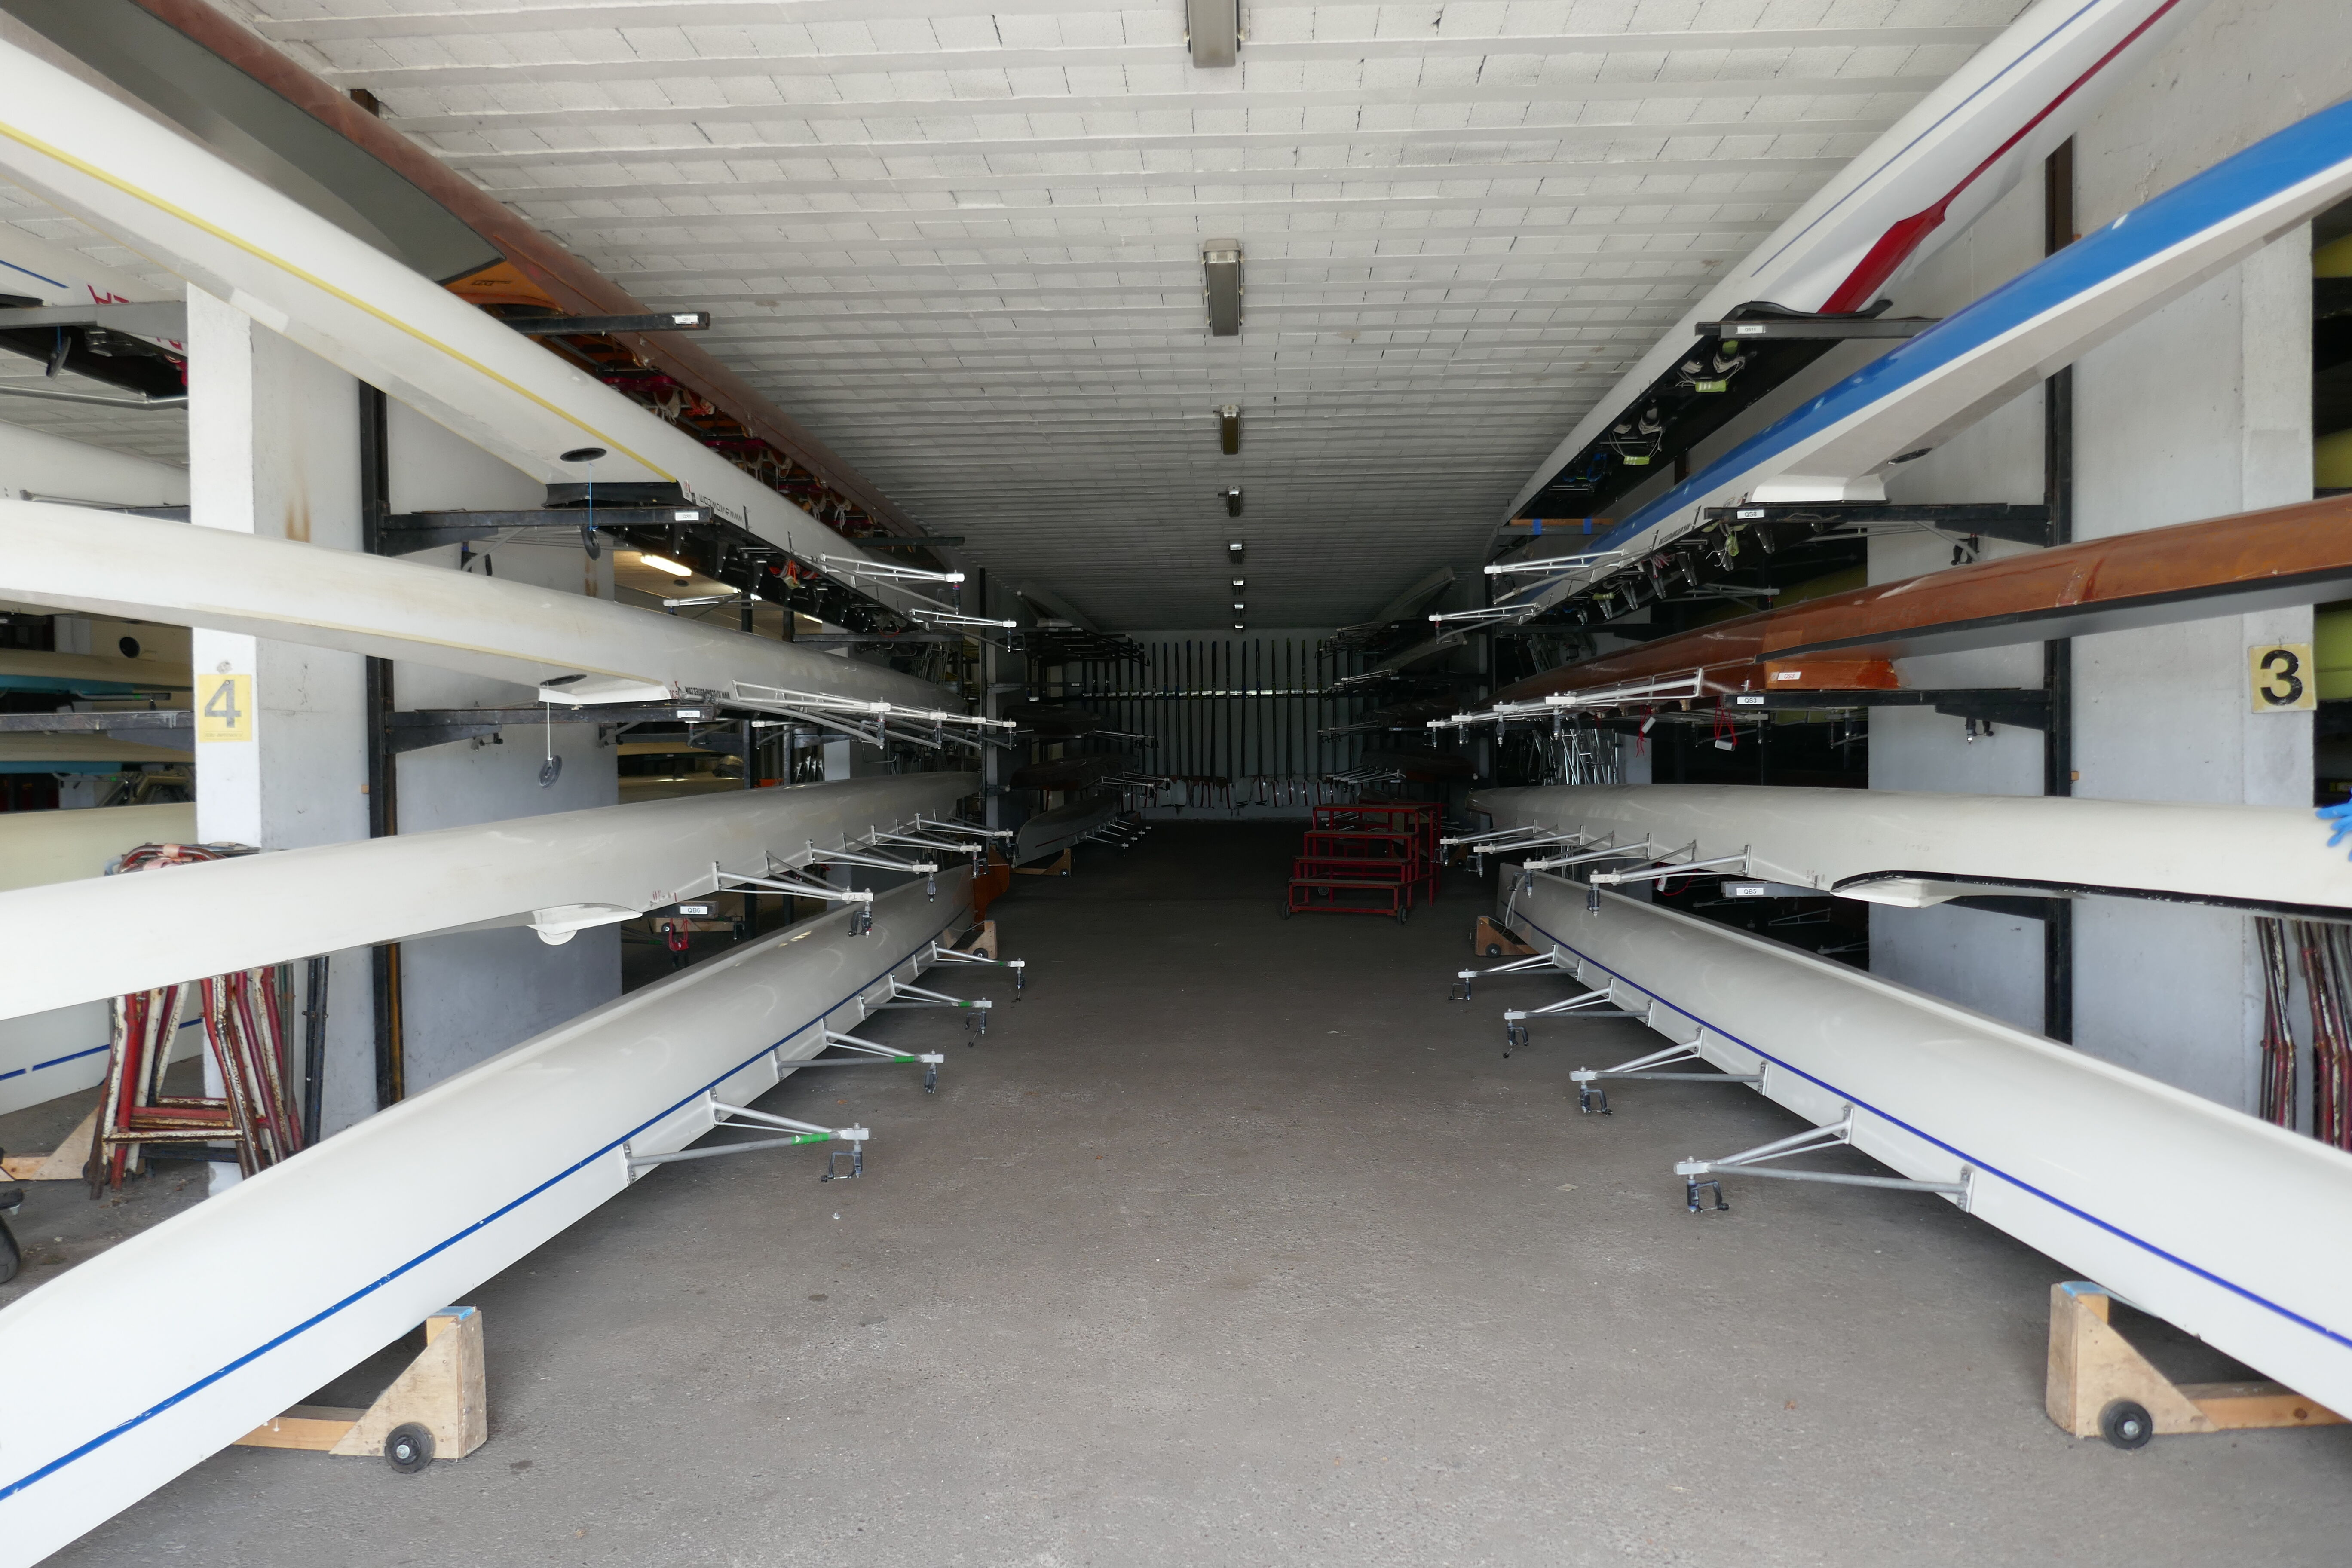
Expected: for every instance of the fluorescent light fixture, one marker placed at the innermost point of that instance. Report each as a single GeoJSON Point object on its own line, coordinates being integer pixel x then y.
{"type": "Point", "coordinates": [1212, 31]}
{"type": "Point", "coordinates": [1239, 627]}
{"type": "Point", "coordinates": [663, 564]}
{"type": "Point", "coordinates": [1221, 286]}
{"type": "Point", "coordinates": [1229, 429]}
{"type": "Point", "coordinates": [1234, 551]}
{"type": "Point", "coordinates": [1233, 499]}
{"type": "Point", "coordinates": [1239, 584]}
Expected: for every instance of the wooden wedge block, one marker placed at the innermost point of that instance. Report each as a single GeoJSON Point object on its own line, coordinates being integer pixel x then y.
{"type": "Point", "coordinates": [2092, 1365]}
{"type": "Point", "coordinates": [63, 1163]}
{"type": "Point", "coordinates": [443, 1390]}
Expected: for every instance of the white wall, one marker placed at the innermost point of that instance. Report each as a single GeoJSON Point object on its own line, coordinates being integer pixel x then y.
{"type": "Point", "coordinates": [467, 997]}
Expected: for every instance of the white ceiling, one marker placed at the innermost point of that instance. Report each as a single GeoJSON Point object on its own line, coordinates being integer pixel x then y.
{"type": "Point", "coordinates": [960, 239]}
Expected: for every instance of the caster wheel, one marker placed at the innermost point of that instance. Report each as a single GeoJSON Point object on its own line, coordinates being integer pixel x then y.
{"type": "Point", "coordinates": [1493, 950]}
{"type": "Point", "coordinates": [2126, 1423]}
{"type": "Point", "coordinates": [408, 1449]}
{"type": "Point", "coordinates": [1286, 911]}
{"type": "Point", "coordinates": [12, 1258]}
{"type": "Point", "coordinates": [1400, 917]}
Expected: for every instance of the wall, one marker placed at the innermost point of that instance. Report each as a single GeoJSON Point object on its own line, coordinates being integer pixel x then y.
{"type": "Point", "coordinates": [466, 997]}
{"type": "Point", "coordinates": [1254, 715]}
{"type": "Point", "coordinates": [2201, 410]}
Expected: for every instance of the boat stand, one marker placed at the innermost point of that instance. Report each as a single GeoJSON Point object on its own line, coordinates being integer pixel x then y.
{"type": "Point", "coordinates": [2101, 1386]}
{"type": "Point", "coordinates": [438, 1408]}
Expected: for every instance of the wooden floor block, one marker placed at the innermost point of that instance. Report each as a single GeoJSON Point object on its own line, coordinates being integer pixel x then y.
{"type": "Point", "coordinates": [2092, 1366]}
{"type": "Point", "coordinates": [443, 1391]}
{"type": "Point", "coordinates": [982, 945]}
{"type": "Point", "coordinates": [63, 1163]}
{"type": "Point", "coordinates": [1488, 936]}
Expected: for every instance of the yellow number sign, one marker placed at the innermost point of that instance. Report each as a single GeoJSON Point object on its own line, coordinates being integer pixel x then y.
{"type": "Point", "coordinates": [2284, 678]}
{"type": "Point", "coordinates": [224, 707]}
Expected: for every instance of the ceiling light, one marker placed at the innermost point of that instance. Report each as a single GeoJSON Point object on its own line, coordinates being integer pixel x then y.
{"type": "Point", "coordinates": [1239, 584]}
{"type": "Point", "coordinates": [1220, 285]}
{"type": "Point", "coordinates": [1232, 495]}
{"type": "Point", "coordinates": [1229, 428]}
{"type": "Point", "coordinates": [1234, 551]}
{"type": "Point", "coordinates": [1212, 31]}
{"type": "Point", "coordinates": [1239, 627]}
{"type": "Point", "coordinates": [663, 564]}
{"type": "Point", "coordinates": [1239, 606]}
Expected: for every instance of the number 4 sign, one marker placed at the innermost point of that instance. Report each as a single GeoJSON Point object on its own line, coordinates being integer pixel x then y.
{"type": "Point", "coordinates": [2284, 677]}
{"type": "Point", "coordinates": [224, 707]}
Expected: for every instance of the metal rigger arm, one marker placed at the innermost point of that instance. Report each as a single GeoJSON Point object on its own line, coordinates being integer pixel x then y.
{"type": "Point", "coordinates": [1589, 1004]}
{"type": "Point", "coordinates": [800, 1132]}
{"type": "Point", "coordinates": [1020, 966]}
{"type": "Point", "coordinates": [1750, 1163]}
{"type": "Point", "coordinates": [1645, 1067]}
{"type": "Point", "coordinates": [869, 1055]}
{"type": "Point", "coordinates": [904, 996]}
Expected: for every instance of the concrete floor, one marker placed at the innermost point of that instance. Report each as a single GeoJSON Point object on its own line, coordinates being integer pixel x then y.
{"type": "Point", "coordinates": [1236, 1243]}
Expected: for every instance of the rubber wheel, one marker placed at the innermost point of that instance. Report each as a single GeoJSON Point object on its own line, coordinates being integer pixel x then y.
{"type": "Point", "coordinates": [1401, 917]}
{"type": "Point", "coordinates": [1493, 950]}
{"type": "Point", "coordinates": [12, 1258]}
{"type": "Point", "coordinates": [2126, 1423]}
{"type": "Point", "coordinates": [408, 1449]}
{"type": "Point", "coordinates": [1286, 911]}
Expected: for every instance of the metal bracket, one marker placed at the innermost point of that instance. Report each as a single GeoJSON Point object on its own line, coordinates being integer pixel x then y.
{"type": "Point", "coordinates": [1750, 1162]}
{"type": "Point", "coordinates": [1480, 617]}
{"type": "Point", "coordinates": [1120, 835]}
{"type": "Point", "coordinates": [873, 1056]}
{"type": "Point", "coordinates": [404, 533]}
{"type": "Point", "coordinates": [1460, 990]}
{"type": "Point", "coordinates": [1510, 840]}
{"type": "Point", "coordinates": [867, 722]}
{"type": "Point", "coordinates": [904, 996]}
{"type": "Point", "coordinates": [1660, 873]}
{"type": "Point", "coordinates": [1603, 852]}
{"type": "Point", "coordinates": [1589, 1004]}
{"type": "Point", "coordinates": [1568, 704]}
{"type": "Point", "coordinates": [1643, 1066]}
{"type": "Point", "coordinates": [1020, 966]}
{"type": "Point", "coordinates": [801, 1132]}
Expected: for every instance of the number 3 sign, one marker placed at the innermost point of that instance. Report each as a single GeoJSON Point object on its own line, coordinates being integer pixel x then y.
{"type": "Point", "coordinates": [2283, 678]}
{"type": "Point", "coordinates": [224, 707]}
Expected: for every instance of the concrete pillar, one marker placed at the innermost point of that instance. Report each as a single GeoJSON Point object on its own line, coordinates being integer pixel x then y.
{"type": "Point", "coordinates": [273, 441]}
